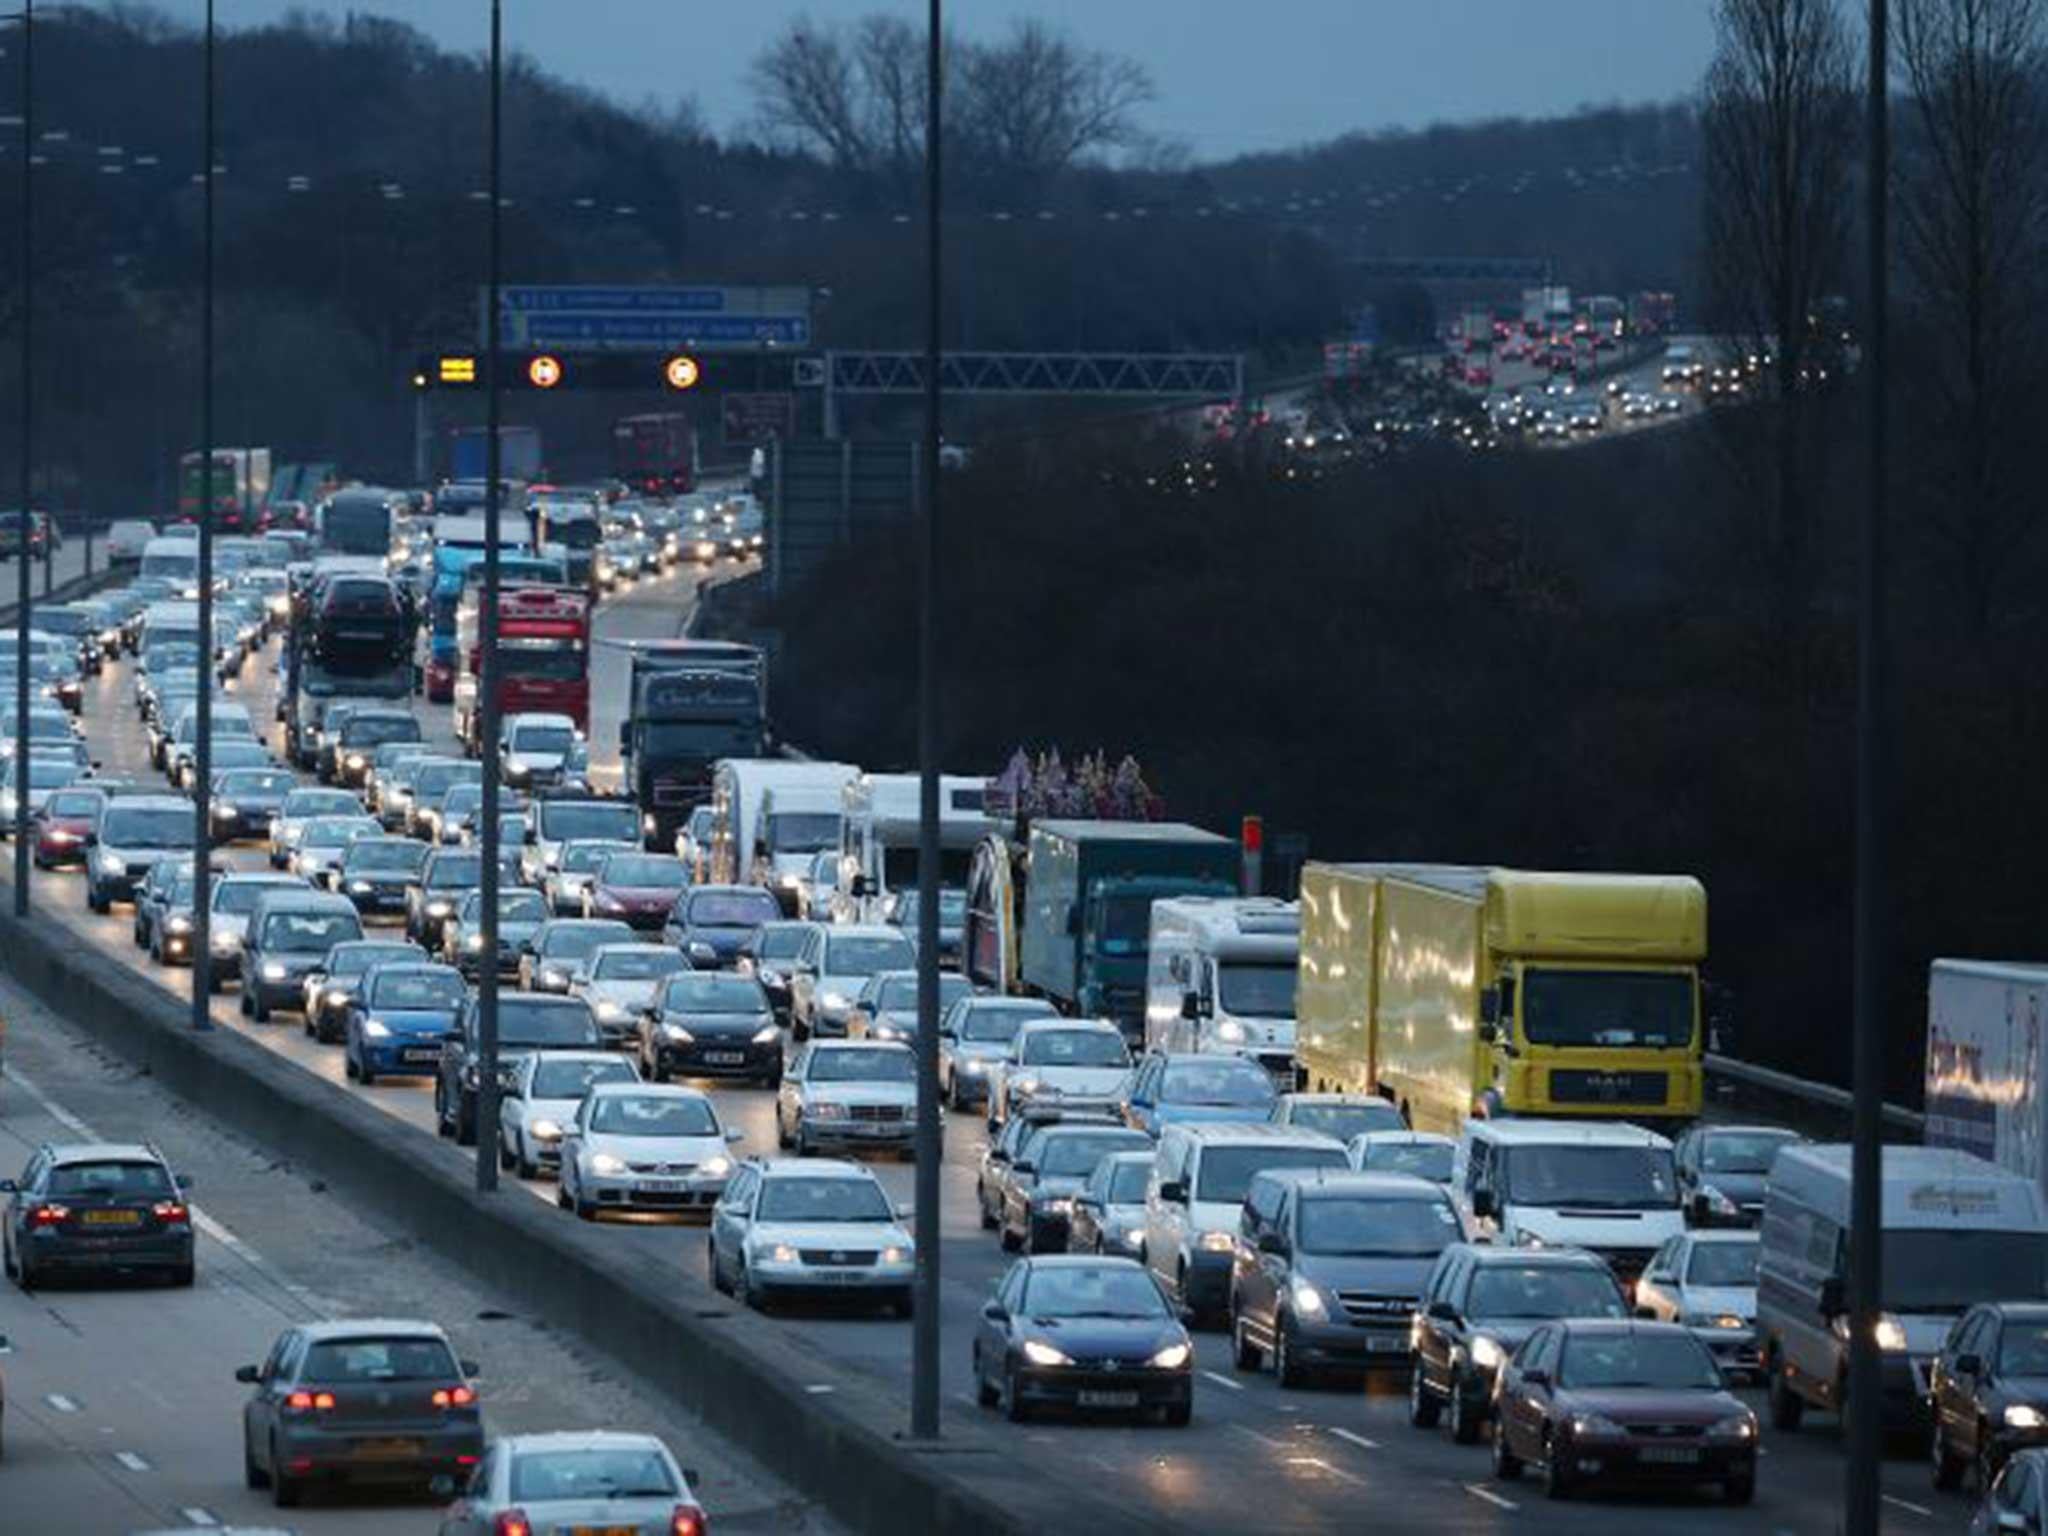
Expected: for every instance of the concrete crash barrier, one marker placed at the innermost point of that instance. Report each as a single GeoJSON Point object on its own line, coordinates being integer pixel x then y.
{"type": "Point", "coordinates": [840, 1447]}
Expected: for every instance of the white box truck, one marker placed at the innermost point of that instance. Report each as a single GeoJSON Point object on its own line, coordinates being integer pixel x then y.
{"type": "Point", "coordinates": [1984, 1088]}
{"type": "Point", "coordinates": [1220, 976]}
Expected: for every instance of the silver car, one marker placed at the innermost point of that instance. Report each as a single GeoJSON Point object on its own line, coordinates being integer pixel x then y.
{"type": "Point", "coordinates": [324, 840]}
{"type": "Point", "coordinates": [974, 1034]}
{"type": "Point", "coordinates": [300, 807]}
{"type": "Point", "coordinates": [572, 877]}
{"type": "Point", "coordinates": [644, 1147]}
{"type": "Point", "coordinates": [587, 1481]}
{"type": "Point", "coordinates": [1706, 1279]}
{"type": "Point", "coordinates": [852, 1093]}
{"type": "Point", "coordinates": [547, 1088]}
{"type": "Point", "coordinates": [233, 899]}
{"type": "Point", "coordinates": [619, 982]}
{"type": "Point", "coordinates": [811, 1228]}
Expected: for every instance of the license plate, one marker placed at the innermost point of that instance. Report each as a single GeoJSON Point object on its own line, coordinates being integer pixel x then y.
{"type": "Point", "coordinates": [1669, 1455]}
{"type": "Point", "coordinates": [725, 1058]}
{"type": "Point", "coordinates": [387, 1450]}
{"type": "Point", "coordinates": [604, 1530]}
{"type": "Point", "coordinates": [113, 1218]}
{"type": "Point", "coordinates": [423, 1057]}
{"type": "Point", "coordinates": [1107, 1399]}
{"type": "Point", "coordinates": [660, 1186]}
{"type": "Point", "coordinates": [1385, 1344]}
{"type": "Point", "coordinates": [835, 1276]}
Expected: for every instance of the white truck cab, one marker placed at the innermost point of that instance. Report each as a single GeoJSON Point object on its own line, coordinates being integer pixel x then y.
{"type": "Point", "coordinates": [1220, 977]}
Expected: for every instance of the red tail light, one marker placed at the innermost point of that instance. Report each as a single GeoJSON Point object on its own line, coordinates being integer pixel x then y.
{"type": "Point", "coordinates": [308, 1402]}
{"type": "Point", "coordinates": [513, 1522]}
{"type": "Point", "coordinates": [455, 1397]}
{"type": "Point", "coordinates": [171, 1210]}
{"type": "Point", "coordinates": [48, 1215]}
{"type": "Point", "coordinates": [688, 1520]}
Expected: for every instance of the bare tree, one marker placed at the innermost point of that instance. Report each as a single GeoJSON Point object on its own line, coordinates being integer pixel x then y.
{"type": "Point", "coordinates": [1035, 103]}
{"type": "Point", "coordinates": [1778, 129]}
{"type": "Point", "coordinates": [1972, 200]}
{"type": "Point", "coordinates": [808, 89]}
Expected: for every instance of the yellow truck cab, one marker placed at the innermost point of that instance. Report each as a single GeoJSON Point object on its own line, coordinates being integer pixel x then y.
{"type": "Point", "coordinates": [1460, 990]}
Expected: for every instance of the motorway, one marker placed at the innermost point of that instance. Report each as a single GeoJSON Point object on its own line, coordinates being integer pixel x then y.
{"type": "Point", "coordinates": [1256, 1458]}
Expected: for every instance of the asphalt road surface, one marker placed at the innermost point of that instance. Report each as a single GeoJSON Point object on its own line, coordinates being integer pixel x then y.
{"type": "Point", "coordinates": [1256, 1457]}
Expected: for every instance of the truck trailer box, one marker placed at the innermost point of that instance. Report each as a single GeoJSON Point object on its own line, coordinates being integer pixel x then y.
{"type": "Point", "coordinates": [1984, 1091]}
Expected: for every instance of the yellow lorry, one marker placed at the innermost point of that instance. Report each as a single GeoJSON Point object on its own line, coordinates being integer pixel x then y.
{"type": "Point", "coordinates": [1458, 990]}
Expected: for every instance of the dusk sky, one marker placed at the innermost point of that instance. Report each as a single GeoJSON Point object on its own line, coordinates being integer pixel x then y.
{"type": "Point", "coordinates": [1231, 77]}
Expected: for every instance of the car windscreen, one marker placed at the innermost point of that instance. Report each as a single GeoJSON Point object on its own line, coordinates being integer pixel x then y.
{"type": "Point", "coordinates": [377, 730]}
{"type": "Point", "coordinates": [780, 943]}
{"type": "Point", "coordinates": [1741, 1151]}
{"type": "Point", "coordinates": [592, 1475]}
{"type": "Point", "coordinates": [146, 827]}
{"type": "Point", "coordinates": [863, 955]}
{"type": "Point", "coordinates": [1075, 1048]}
{"type": "Point", "coordinates": [582, 858]}
{"type": "Point", "coordinates": [1642, 1009]}
{"type": "Point", "coordinates": [399, 854]}
{"type": "Point", "coordinates": [442, 990]}
{"type": "Point", "coordinates": [1225, 1082]}
{"type": "Point", "coordinates": [309, 931]}
{"type": "Point", "coordinates": [891, 1066]}
{"type": "Point", "coordinates": [1068, 1155]}
{"type": "Point", "coordinates": [1345, 1121]}
{"type": "Point", "coordinates": [574, 943]}
{"type": "Point", "coordinates": [1544, 1290]}
{"type": "Point", "coordinates": [1091, 1290]}
{"type": "Point", "coordinates": [356, 958]}
{"type": "Point", "coordinates": [540, 1021]}
{"type": "Point", "coordinates": [652, 1114]}
{"type": "Point", "coordinates": [1256, 991]}
{"type": "Point", "coordinates": [110, 1180]}
{"type": "Point", "coordinates": [644, 870]}
{"type": "Point", "coordinates": [438, 778]}
{"type": "Point", "coordinates": [301, 803]}
{"type": "Point", "coordinates": [997, 1023]}
{"type": "Point", "coordinates": [1723, 1263]}
{"type": "Point", "coordinates": [1591, 1177]}
{"type": "Point", "coordinates": [636, 962]}
{"type": "Point", "coordinates": [1359, 1226]}
{"type": "Point", "coordinates": [455, 872]}
{"type": "Point", "coordinates": [1673, 1361]}
{"type": "Point", "coordinates": [899, 993]}
{"type": "Point", "coordinates": [337, 1362]}
{"type": "Point", "coordinates": [84, 802]}
{"type": "Point", "coordinates": [1226, 1172]}
{"type": "Point", "coordinates": [239, 896]}
{"type": "Point", "coordinates": [710, 992]}
{"type": "Point", "coordinates": [543, 740]}
{"type": "Point", "coordinates": [572, 1079]}
{"type": "Point", "coordinates": [735, 909]}
{"type": "Point", "coordinates": [337, 831]}
{"type": "Point", "coordinates": [612, 820]}
{"type": "Point", "coordinates": [1128, 1182]}
{"type": "Point", "coordinates": [1425, 1160]}
{"type": "Point", "coordinates": [801, 831]}
{"type": "Point", "coordinates": [1948, 1269]}
{"type": "Point", "coordinates": [2023, 1347]}
{"type": "Point", "coordinates": [258, 782]}
{"type": "Point", "coordinates": [807, 1200]}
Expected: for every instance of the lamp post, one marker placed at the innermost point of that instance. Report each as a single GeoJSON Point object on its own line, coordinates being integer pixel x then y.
{"type": "Point", "coordinates": [202, 752]}
{"type": "Point", "coordinates": [487, 662]}
{"type": "Point", "coordinates": [27, 18]}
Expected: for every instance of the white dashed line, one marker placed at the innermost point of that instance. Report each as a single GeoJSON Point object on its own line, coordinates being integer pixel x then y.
{"type": "Point", "coordinates": [194, 1515]}
{"type": "Point", "coordinates": [60, 1402]}
{"type": "Point", "coordinates": [1222, 1380]}
{"type": "Point", "coordinates": [1356, 1439]}
{"type": "Point", "coordinates": [1911, 1509]}
{"type": "Point", "coordinates": [132, 1461]}
{"type": "Point", "coordinates": [820, 1388]}
{"type": "Point", "coordinates": [1321, 1465]}
{"type": "Point", "coordinates": [1490, 1496]}
{"type": "Point", "coordinates": [1268, 1441]}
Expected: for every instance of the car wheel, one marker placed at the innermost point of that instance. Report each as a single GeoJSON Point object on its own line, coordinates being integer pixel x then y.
{"type": "Point", "coordinates": [988, 1219]}
{"type": "Point", "coordinates": [1556, 1483]}
{"type": "Point", "coordinates": [1948, 1468]}
{"type": "Point", "coordinates": [504, 1156]}
{"type": "Point", "coordinates": [348, 1066]}
{"type": "Point", "coordinates": [743, 1290]}
{"type": "Point", "coordinates": [781, 1132]}
{"type": "Point", "coordinates": [440, 1108]}
{"type": "Point", "coordinates": [365, 1073]}
{"type": "Point", "coordinates": [1180, 1415]}
{"type": "Point", "coordinates": [1507, 1466]}
{"type": "Point", "coordinates": [245, 1005]}
{"type": "Point", "coordinates": [253, 1476]}
{"type": "Point", "coordinates": [803, 1142]}
{"type": "Point", "coordinates": [525, 1166]}
{"type": "Point", "coordinates": [1423, 1408]}
{"type": "Point", "coordinates": [97, 900]}
{"type": "Point", "coordinates": [711, 1268]}
{"type": "Point", "coordinates": [1740, 1490]}
{"type": "Point", "coordinates": [1288, 1371]}
{"type": "Point", "coordinates": [985, 1391]}
{"type": "Point", "coordinates": [465, 1120]}
{"type": "Point", "coordinates": [286, 1491]}
{"type": "Point", "coordinates": [1464, 1422]}
{"type": "Point", "coordinates": [561, 1198]}
{"type": "Point", "coordinates": [1244, 1354]}
{"type": "Point", "coordinates": [183, 1275]}
{"type": "Point", "coordinates": [1787, 1406]}
{"type": "Point", "coordinates": [1013, 1400]}
{"type": "Point", "coordinates": [1011, 1241]}
{"type": "Point", "coordinates": [1987, 1464]}
{"type": "Point", "coordinates": [258, 1009]}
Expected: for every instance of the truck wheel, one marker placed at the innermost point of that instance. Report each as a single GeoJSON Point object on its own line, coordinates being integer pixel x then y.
{"type": "Point", "coordinates": [1787, 1406]}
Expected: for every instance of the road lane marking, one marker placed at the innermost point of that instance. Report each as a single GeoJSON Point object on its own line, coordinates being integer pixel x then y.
{"type": "Point", "coordinates": [60, 1402]}
{"type": "Point", "coordinates": [820, 1388]}
{"type": "Point", "coordinates": [1222, 1380]}
{"type": "Point", "coordinates": [1490, 1496]}
{"type": "Point", "coordinates": [1323, 1466]}
{"type": "Point", "coordinates": [131, 1461]}
{"type": "Point", "coordinates": [1911, 1509]}
{"type": "Point", "coordinates": [194, 1515]}
{"type": "Point", "coordinates": [1268, 1441]}
{"type": "Point", "coordinates": [1355, 1438]}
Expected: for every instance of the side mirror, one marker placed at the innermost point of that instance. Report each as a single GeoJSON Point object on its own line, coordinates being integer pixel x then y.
{"type": "Point", "coordinates": [734, 1133]}
{"type": "Point", "coordinates": [249, 1375]}
{"type": "Point", "coordinates": [184, 1181]}
{"type": "Point", "coordinates": [1833, 1302]}
{"type": "Point", "coordinates": [1968, 1365]}
{"type": "Point", "coordinates": [998, 1155]}
{"type": "Point", "coordinates": [1489, 1034]}
{"type": "Point", "coordinates": [1442, 1311]}
{"type": "Point", "coordinates": [1536, 1378]}
{"type": "Point", "coordinates": [903, 1210]}
{"type": "Point", "coordinates": [1273, 1243]}
{"type": "Point", "coordinates": [859, 888]}
{"type": "Point", "coordinates": [1190, 1005]}
{"type": "Point", "coordinates": [8, 1187]}
{"type": "Point", "coordinates": [1031, 1168]}
{"type": "Point", "coordinates": [1483, 1205]}
{"type": "Point", "coordinates": [1090, 1201]}
{"type": "Point", "coordinates": [1073, 920]}
{"type": "Point", "coordinates": [2013, 1520]}
{"type": "Point", "coordinates": [530, 837]}
{"type": "Point", "coordinates": [1489, 1010]}
{"type": "Point", "coordinates": [996, 1312]}
{"type": "Point", "coordinates": [469, 1367]}
{"type": "Point", "coordinates": [1174, 1192]}
{"type": "Point", "coordinates": [441, 1485]}
{"type": "Point", "coordinates": [1647, 1314]}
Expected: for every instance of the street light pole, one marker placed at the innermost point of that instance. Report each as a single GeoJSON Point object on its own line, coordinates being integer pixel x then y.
{"type": "Point", "coordinates": [202, 753]}
{"type": "Point", "coordinates": [487, 673]}
{"type": "Point", "coordinates": [924, 1336]}
{"type": "Point", "coordinates": [1866, 1158]}
{"type": "Point", "coordinates": [21, 594]}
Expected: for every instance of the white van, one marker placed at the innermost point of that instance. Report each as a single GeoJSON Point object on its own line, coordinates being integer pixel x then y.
{"type": "Point", "coordinates": [878, 839]}
{"type": "Point", "coordinates": [169, 623]}
{"type": "Point", "coordinates": [1220, 975]}
{"type": "Point", "coordinates": [739, 785]}
{"type": "Point", "coordinates": [127, 538]}
{"type": "Point", "coordinates": [1957, 1230]}
{"type": "Point", "coordinates": [174, 560]}
{"type": "Point", "coordinates": [1609, 1188]}
{"type": "Point", "coordinates": [796, 823]}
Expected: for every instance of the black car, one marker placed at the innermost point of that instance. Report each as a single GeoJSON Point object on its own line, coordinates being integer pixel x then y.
{"type": "Point", "coordinates": [527, 1021]}
{"type": "Point", "coordinates": [1988, 1389]}
{"type": "Point", "coordinates": [1048, 1172]}
{"type": "Point", "coordinates": [768, 953]}
{"type": "Point", "coordinates": [246, 799]}
{"type": "Point", "coordinates": [432, 899]}
{"type": "Point", "coordinates": [1722, 1169]}
{"type": "Point", "coordinates": [710, 1024]}
{"type": "Point", "coordinates": [96, 1206]}
{"type": "Point", "coordinates": [1082, 1332]}
{"type": "Point", "coordinates": [1479, 1304]}
{"type": "Point", "coordinates": [376, 872]}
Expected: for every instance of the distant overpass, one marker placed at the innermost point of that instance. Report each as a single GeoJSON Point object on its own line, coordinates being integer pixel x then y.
{"type": "Point", "coordinates": [1530, 270]}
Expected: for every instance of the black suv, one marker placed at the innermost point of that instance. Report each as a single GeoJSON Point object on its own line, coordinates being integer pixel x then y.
{"type": "Point", "coordinates": [96, 1206]}
{"type": "Point", "coordinates": [527, 1022]}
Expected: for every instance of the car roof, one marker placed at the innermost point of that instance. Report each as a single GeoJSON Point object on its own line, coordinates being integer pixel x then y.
{"type": "Point", "coordinates": [860, 1045]}
{"type": "Point", "coordinates": [652, 1090]}
{"type": "Point", "coordinates": [829, 1167]}
{"type": "Point", "coordinates": [834, 930]}
{"type": "Point", "coordinates": [64, 1153]}
{"type": "Point", "coordinates": [1343, 1181]}
{"type": "Point", "coordinates": [1334, 1098]}
{"type": "Point", "coordinates": [1493, 1253]}
{"type": "Point", "coordinates": [1253, 1131]}
{"type": "Point", "coordinates": [155, 803]}
{"type": "Point", "coordinates": [307, 898]}
{"type": "Point", "coordinates": [1746, 1237]}
{"type": "Point", "coordinates": [579, 1440]}
{"type": "Point", "coordinates": [1081, 1261]}
{"type": "Point", "coordinates": [1615, 1325]}
{"type": "Point", "coordinates": [1603, 1133]}
{"type": "Point", "coordinates": [1402, 1139]}
{"type": "Point", "coordinates": [362, 1327]}
{"type": "Point", "coordinates": [1060, 1021]}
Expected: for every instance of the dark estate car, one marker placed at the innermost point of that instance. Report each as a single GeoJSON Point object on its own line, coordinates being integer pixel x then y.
{"type": "Point", "coordinates": [96, 1206]}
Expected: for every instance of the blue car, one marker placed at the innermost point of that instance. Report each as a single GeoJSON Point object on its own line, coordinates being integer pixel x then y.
{"type": "Point", "coordinates": [398, 1020]}
{"type": "Point", "coordinates": [709, 923]}
{"type": "Point", "coordinates": [1182, 1087]}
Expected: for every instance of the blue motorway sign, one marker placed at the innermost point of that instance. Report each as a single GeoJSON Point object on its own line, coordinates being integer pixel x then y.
{"type": "Point", "coordinates": [575, 317]}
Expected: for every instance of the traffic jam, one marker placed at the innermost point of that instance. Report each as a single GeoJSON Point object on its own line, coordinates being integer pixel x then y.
{"type": "Point", "coordinates": [1427, 1133]}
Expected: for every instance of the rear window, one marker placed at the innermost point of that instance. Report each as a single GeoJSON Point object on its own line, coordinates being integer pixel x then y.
{"type": "Point", "coordinates": [110, 1180]}
{"type": "Point", "coordinates": [540, 1476]}
{"type": "Point", "coordinates": [309, 930]}
{"type": "Point", "coordinates": [341, 1361]}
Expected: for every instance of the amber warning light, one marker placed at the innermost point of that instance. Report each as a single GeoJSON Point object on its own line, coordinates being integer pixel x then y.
{"type": "Point", "coordinates": [544, 372]}
{"type": "Point", "coordinates": [681, 372]}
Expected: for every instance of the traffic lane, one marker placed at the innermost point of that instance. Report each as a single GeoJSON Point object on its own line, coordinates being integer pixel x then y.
{"type": "Point", "coordinates": [1252, 1435]}
{"type": "Point", "coordinates": [123, 1412]}
{"type": "Point", "coordinates": [651, 609]}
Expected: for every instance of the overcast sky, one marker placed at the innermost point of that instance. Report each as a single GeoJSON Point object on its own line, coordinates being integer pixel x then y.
{"type": "Point", "coordinates": [1232, 76]}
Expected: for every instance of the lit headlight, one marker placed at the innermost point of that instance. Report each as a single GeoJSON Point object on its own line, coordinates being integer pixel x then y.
{"type": "Point", "coordinates": [1487, 1353]}
{"type": "Point", "coordinates": [1134, 1239]}
{"type": "Point", "coordinates": [1218, 1242]}
{"type": "Point", "coordinates": [376, 1029]}
{"type": "Point", "coordinates": [355, 762]}
{"type": "Point", "coordinates": [273, 971]}
{"type": "Point", "coordinates": [766, 1033]}
{"type": "Point", "coordinates": [225, 809]}
{"type": "Point", "coordinates": [1308, 1301]}
{"type": "Point", "coordinates": [473, 941]}
{"type": "Point", "coordinates": [610, 1011]}
{"type": "Point", "coordinates": [779, 1253]}
{"type": "Point", "coordinates": [545, 1130]}
{"type": "Point", "coordinates": [973, 1066]}
{"type": "Point", "coordinates": [552, 977]}
{"type": "Point", "coordinates": [360, 887]}
{"type": "Point", "coordinates": [677, 1033]}
{"type": "Point", "coordinates": [1027, 1085]}
{"type": "Point", "coordinates": [1742, 1426]}
{"type": "Point", "coordinates": [647, 824]}
{"type": "Point", "coordinates": [895, 1254]}
{"type": "Point", "coordinates": [1171, 1358]}
{"type": "Point", "coordinates": [715, 1167]}
{"type": "Point", "coordinates": [1597, 1426]}
{"type": "Point", "coordinates": [605, 1163]}
{"type": "Point", "coordinates": [788, 882]}
{"type": "Point", "coordinates": [179, 924]}
{"type": "Point", "coordinates": [439, 909]}
{"type": "Point", "coordinates": [1714, 1320]}
{"type": "Point", "coordinates": [833, 1002]}
{"type": "Point", "coordinates": [1231, 1031]}
{"type": "Point", "coordinates": [1044, 1354]}
{"type": "Point", "coordinates": [1890, 1336]}
{"type": "Point", "coordinates": [225, 943]}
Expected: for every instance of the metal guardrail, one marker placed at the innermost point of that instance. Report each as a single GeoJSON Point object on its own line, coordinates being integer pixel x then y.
{"type": "Point", "coordinates": [1815, 1109]}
